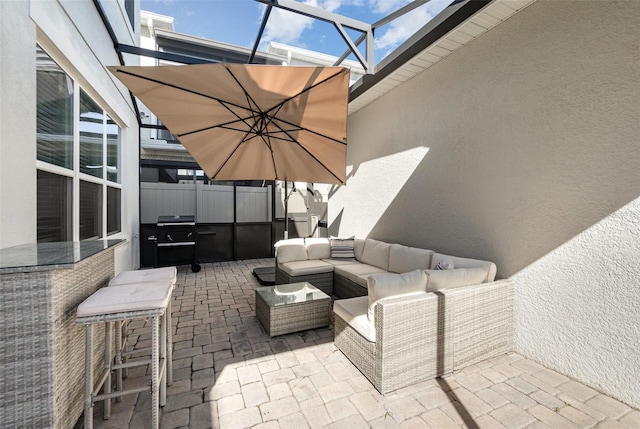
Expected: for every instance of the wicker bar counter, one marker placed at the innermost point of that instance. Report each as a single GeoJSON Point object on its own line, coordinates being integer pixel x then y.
{"type": "Point", "coordinates": [41, 347]}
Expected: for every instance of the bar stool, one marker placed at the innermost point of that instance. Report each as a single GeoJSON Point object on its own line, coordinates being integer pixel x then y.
{"type": "Point", "coordinates": [117, 304]}
{"type": "Point", "coordinates": [151, 275]}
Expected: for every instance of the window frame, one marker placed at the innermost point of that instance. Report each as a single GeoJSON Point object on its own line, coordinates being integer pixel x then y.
{"type": "Point", "coordinates": [74, 172]}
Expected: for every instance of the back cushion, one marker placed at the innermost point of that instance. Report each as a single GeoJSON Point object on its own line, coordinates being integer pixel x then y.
{"type": "Point", "coordinates": [376, 253]}
{"type": "Point", "coordinates": [291, 250]}
{"type": "Point", "coordinates": [403, 259]}
{"type": "Point", "coordinates": [318, 248]}
{"type": "Point", "coordinates": [358, 248]}
{"type": "Point", "coordinates": [386, 285]}
{"type": "Point", "coordinates": [489, 267]}
{"type": "Point", "coordinates": [457, 277]}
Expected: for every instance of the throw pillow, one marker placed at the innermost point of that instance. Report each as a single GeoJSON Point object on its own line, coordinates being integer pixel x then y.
{"type": "Point", "coordinates": [445, 264]}
{"type": "Point", "coordinates": [386, 285]}
{"type": "Point", "coordinates": [342, 248]}
{"type": "Point", "coordinates": [291, 250]}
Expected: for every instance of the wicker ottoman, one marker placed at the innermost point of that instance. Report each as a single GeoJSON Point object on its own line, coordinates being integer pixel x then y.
{"type": "Point", "coordinates": [292, 307]}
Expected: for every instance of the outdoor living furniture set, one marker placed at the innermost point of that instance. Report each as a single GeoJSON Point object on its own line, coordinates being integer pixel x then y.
{"type": "Point", "coordinates": [409, 314]}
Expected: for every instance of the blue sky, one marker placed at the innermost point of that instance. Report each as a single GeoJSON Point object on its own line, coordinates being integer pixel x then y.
{"type": "Point", "coordinates": [238, 21]}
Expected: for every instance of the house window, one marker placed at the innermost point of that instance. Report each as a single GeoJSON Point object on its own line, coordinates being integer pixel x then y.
{"type": "Point", "coordinates": [54, 91]}
{"type": "Point", "coordinates": [78, 152]}
{"type": "Point", "coordinates": [54, 207]}
{"type": "Point", "coordinates": [91, 136]}
{"type": "Point", "coordinates": [90, 210]}
{"type": "Point", "coordinates": [113, 210]}
{"type": "Point", "coordinates": [113, 151]}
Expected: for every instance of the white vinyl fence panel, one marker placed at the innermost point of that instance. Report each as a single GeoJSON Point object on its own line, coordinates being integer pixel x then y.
{"type": "Point", "coordinates": [166, 199]}
{"type": "Point", "coordinates": [253, 204]}
{"type": "Point", "coordinates": [217, 204]}
{"type": "Point", "coordinates": [210, 203]}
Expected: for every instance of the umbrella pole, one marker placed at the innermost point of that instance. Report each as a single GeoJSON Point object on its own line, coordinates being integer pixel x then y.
{"type": "Point", "coordinates": [286, 211]}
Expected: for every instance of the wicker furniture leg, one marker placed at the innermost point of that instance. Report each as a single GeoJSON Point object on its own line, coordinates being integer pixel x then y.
{"type": "Point", "coordinates": [169, 345]}
{"type": "Point", "coordinates": [88, 378]}
{"type": "Point", "coordinates": [118, 358]}
{"type": "Point", "coordinates": [107, 367]}
{"type": "Point", "coordinates": [155, 373]}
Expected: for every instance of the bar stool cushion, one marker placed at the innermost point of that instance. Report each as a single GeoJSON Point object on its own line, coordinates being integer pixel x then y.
{"type": "Point", "coordinates": [126, 298]}
{"type": "Point", "coordinates": [145, 276]}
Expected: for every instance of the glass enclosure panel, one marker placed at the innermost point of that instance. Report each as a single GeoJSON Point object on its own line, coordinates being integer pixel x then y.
{"type": "Point", "coordinates": [90, 210]}
{"type": "Point", "coordinates": [113, 210]}
{"type": "Point", "coordinates": [113, 151]}
{"type": "Point", "coordinates": [54, 117]}
{"type": "Point", "coordinates": [91, 136]}
{"type": "Point", "coordinates": [54, 207]}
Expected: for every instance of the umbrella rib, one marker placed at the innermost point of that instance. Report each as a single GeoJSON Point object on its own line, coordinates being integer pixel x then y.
{"type": "Point", "coordinates": [222, 102]}
{"type": "Point", "coordinates": [247, 95]}
{"type": "Point", "coordinates": [305, 149]}
{"type": "Point", "coordinates": [299, 128]}
{"type": "Point", "coordinates": [273, 158]}
{"type": "Point", "coordinates": [224, 125]}
{"type": "Point", "coordinates": [244, 139]}
{"type": "Point", "coordinates": [279, 105]}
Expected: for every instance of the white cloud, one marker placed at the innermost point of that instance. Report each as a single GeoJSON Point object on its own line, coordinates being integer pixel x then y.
{"type": "Point", "coordinates": [400, 29]}
{"type": "Point", "coordinates": [287, 27]}
{"type": "Point", "coordinates": [386, 6]}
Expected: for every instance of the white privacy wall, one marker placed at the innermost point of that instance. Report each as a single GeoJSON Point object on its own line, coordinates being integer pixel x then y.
{"type": "Point", "coordinates": [523, 148]}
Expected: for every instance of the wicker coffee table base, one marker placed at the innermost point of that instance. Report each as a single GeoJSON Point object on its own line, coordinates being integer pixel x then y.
{"type": "Point", "coordinates": [294, 317]}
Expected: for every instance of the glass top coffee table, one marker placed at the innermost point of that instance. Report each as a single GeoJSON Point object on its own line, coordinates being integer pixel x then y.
{"type": "Point", "coordinates": [293, 307]}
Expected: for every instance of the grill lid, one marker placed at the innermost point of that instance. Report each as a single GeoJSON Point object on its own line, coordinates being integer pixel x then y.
{"type": "Point", "coordinates": [176, 220]}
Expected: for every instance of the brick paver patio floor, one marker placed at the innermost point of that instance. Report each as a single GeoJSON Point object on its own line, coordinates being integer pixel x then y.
{"type": "Point", "coordinates": [229, 374]}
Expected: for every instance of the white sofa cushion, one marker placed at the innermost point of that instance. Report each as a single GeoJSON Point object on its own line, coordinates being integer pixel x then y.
{"type": "Point", "coordinates": [357, 272]}
{"type": "Point", "coordinates": [489, 267]}
{"type": "Point", "coordinates": [376, 253]}
{"type": "Point", "coordinates": [290, 250]}
{"type": "Point", "coordinates": [302, 268]}
{"type": "Point", "coordinates": [354, 312]}
{"type": "Point", "coordinates": [358, 248]}
{"type": "Point", "coordinates": [403, 259]}
{"type": "Point", "coordinates": [387, 285]}
{"type": "Point", "coordinates": [318, 248]}
{"type": "Point", "coordinates": [340, 262]}
{"type": "Point", "coordinates": [457, 277]}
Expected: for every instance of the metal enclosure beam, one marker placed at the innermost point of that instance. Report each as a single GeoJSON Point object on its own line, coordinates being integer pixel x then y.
{"type": "Point", "coordinates": [339, 22]}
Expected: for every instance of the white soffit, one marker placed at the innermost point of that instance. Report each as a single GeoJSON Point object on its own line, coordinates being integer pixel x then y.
{"type": "Point", "coordinates": [487, 18]}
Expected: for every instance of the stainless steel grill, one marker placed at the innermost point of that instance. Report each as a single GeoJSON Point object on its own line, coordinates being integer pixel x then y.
{"type": "Point", "coordinates": [176, 241]}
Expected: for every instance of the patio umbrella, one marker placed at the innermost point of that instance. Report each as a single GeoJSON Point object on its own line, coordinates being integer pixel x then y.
{"type": "Point", "coordinates": [251, 122]}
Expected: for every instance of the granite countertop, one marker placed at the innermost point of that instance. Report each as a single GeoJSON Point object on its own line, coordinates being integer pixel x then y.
{"type": "Point", "coordinates": [50, 256]}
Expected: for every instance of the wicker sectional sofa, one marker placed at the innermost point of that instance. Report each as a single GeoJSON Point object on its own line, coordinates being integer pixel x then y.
{"type": "Point", "coordinates": [454, 318]}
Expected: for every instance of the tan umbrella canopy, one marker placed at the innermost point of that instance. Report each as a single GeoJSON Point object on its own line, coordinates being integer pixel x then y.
{"type": "Point", "coordinates": [251, 122]}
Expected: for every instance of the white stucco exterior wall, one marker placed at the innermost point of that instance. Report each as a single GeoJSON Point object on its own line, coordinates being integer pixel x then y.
{"type": "Point", "coordinates": [74, 35]}
{"type": "Point", "coordinates": [523, 148]}
{"type": "Point", "coordinates": [17, 125]}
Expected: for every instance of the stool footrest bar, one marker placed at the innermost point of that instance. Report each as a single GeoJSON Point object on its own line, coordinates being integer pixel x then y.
{"type": "Point", "coordinates": [103, 396]}
{"type": "Point", "coordinates": [131, 364]}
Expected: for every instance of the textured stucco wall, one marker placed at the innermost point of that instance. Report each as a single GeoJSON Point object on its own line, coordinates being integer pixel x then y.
{"type": "Point", "coordinates": [523, 148]}
{"type": "Point", "coordinates": [17, 125]}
